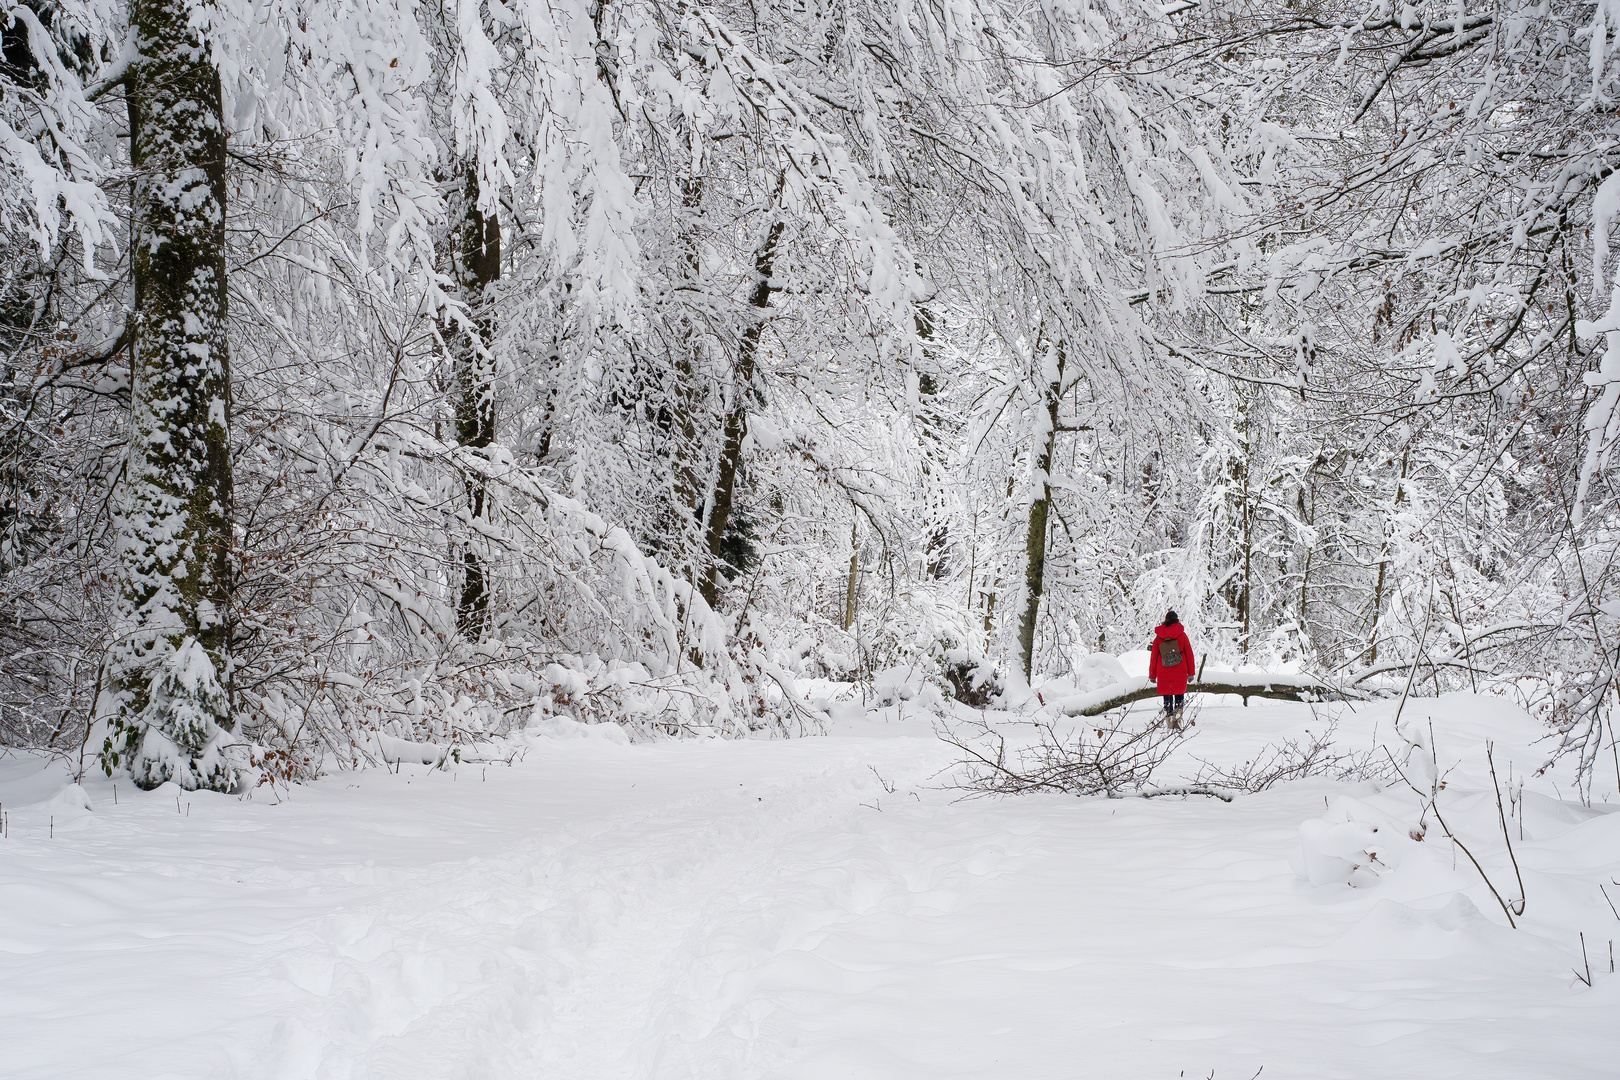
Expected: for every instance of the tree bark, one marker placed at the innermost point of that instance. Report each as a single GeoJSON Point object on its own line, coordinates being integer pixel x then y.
{"type": "Point", "coordinates": [937, 548]}
{"type": "Point", "coordinates": [682, 425]}
{"type": "Point", "coordinates": [1035, 536]}
{"type": "Point", "coordinates": [1383, 567]}
{"type": "Point", "coordinates": [477, 266]}
{"type": "Point", "coordinates": [172, 660]}
{"type": "Point", "coordinates": [1307, 514]}
{"type": "Point", "coordinates": [1246, 690]}
{"type": "Point", "coordinates": [852, 587]}
{"type": "Point", "coordinates": [1246, 599]}
{"type": "Point", "coordinates": [735, 428]}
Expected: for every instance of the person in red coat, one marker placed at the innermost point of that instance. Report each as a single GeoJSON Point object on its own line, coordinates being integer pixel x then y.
{"type": "Point", "coordinates": [1171, 666]}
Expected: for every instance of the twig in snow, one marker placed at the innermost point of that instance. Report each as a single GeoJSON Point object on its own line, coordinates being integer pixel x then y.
{"type": "Point", "coordinates": [886, 785]}
{"type": "Point", "coordinates": [1587, 978]}
{"type": "Point", "coordinates": [1432, 804]}
{"type": "Point", "coordinates": [1501, 816]}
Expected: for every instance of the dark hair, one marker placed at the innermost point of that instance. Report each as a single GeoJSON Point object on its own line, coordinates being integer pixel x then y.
{"type": "Point", "coordinates": [1171, 618]}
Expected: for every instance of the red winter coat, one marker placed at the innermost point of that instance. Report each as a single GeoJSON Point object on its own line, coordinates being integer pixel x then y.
{"type": "Point", "coordinates": [1172, 680]}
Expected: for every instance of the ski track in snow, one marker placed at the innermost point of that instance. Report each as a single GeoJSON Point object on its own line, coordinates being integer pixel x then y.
{"type": "Point", "coordinates": [760, 910]}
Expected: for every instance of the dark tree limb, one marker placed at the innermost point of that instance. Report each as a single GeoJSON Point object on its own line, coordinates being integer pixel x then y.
{"type": "Point", "coordinates": [1282, 687]}
{"type": "Point", "coordinates": [736, 423]}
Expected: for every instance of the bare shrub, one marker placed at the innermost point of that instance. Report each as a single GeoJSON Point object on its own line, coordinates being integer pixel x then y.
{"type": "Point", "coordinates": [1294, 759]}
{"type": "Point", "coordinates": [1102, 758]}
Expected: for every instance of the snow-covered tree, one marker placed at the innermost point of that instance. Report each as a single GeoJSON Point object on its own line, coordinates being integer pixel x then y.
{"type": "Point", "coordinates": [171, 662]}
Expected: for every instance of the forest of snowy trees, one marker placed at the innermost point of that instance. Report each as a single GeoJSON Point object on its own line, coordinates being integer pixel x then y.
{"type": "Point", "coordinates": [398, 368]}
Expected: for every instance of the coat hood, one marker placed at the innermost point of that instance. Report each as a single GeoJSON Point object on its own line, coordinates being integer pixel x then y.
{"type": "Point", "coordinates": [1169, 630]}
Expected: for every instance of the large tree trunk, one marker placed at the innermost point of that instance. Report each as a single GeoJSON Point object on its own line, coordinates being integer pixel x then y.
{"type": "Point", "coordinates": [172, 658]}
{"type": "Point", "coordinates": [1040, 505]}
{"type": "Point", "coordinates": [736, 422]}
{"type": "Point", "coordinates": [477, 266]}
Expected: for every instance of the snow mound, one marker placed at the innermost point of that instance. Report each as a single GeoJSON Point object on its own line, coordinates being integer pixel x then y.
{"type": "Point", "coordinates": [1097, 671]}
{"type": "Point", "coordinates": [1395, 930]}
{"type": "Point", "coordinates": [565, 727]}
{"type": "Point", "coordinates": [905, 683]}
{"type": "Point", "coordinates": [66, 805]}
{"type": "Point", "coordinates": [1352, 843]}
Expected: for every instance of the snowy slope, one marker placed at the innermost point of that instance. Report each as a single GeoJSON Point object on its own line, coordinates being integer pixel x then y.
{"type": "Point", "coordinates": [772, 909]}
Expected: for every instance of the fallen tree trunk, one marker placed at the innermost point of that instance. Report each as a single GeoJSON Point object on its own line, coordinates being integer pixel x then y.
{"type": "Point", "coordinates": [1243, 684]}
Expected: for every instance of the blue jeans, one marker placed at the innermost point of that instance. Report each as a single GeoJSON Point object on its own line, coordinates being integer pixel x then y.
{"type": "Point", "coordinates": [1173, 702]}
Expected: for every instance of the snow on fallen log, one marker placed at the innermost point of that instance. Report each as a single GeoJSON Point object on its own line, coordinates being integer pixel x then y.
{"type": "Point", "coordinates": [1245, 684]}
{"type": "Point", "coordinates": [396, 751]}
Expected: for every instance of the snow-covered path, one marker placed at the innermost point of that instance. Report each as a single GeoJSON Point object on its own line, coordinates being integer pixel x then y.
{"type": "Point", "coordinates": [760, 910]}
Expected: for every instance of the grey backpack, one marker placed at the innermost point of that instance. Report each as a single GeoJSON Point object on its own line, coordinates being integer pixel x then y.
{"type": "Point", "coordinates": [1170, 652]}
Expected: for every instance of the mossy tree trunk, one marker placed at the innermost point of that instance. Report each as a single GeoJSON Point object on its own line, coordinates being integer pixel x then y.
{"type": "Point", "coordinates": [172, 661]}
{"type": "Point", "coordinates": [1040, 506]}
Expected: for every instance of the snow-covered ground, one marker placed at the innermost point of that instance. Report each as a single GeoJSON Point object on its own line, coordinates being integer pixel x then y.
{"type": "Point", "coordinates": [773, 909]}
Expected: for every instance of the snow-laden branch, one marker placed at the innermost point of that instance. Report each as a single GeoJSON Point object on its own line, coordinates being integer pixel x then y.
{"type": "Point", "coordinates": [1462, 656]}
